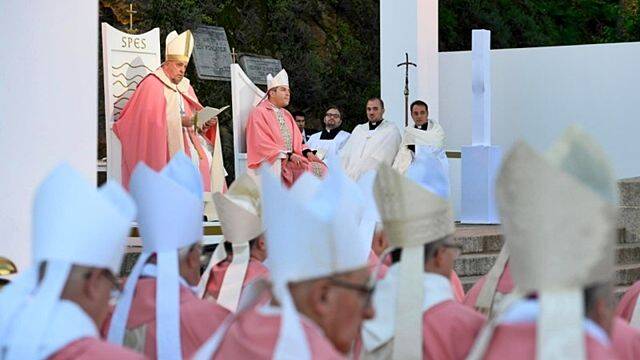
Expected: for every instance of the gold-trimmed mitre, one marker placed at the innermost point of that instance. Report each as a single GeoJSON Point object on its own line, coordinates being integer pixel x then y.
{"type": "Point", "coordinates": [239, 211]}
{"type": "Point", "coordinates": [179, 47]}
{"type": "Point", "coordinates": [411, 214]}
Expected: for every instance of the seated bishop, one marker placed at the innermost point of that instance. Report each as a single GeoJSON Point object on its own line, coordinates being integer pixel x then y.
{"type": "Point", "coordinates": [560, 207]}
{"type": "Point", "coordinates": [417, 315]}
{"type": "Point", "coordinates": [53, 310]}
{"type": "Point", "coordinates": [238, 260]}
{"type": "Point", "coordinates": [273, 138]}
{"type": "Point", "coordinates": [319, 296]}
{"type": "Point", "coordinates": [424, 135]}
{"type": "Point", "coordinates": [159, 313]}
{"type": "Point", "coordinates": [159, 120]}
{"type": "Point", "coordinates": [332, 138]}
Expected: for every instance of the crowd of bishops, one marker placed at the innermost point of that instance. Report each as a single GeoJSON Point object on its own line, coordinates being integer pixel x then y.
{"type": "Point", "coordinates": [335, 246]}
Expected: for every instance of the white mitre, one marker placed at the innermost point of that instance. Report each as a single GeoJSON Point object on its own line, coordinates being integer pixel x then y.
{"type": "Point", "coordinates": [73, 224]}
{"type": "Point", "coordinates": [179, 47]}
{"type": "Point", "coordinates": [322, 241]}
{"type": "Point", "coordinates": [560, 232]}
{"type": "Point", "coordinates": [371, 216]}
{"type": "Point", "coordinates": [412, 217]}
{"type": "Point", "coordinates": [239, 212]}
{"type": "Point", "coordinates": [281, 79]}
{"type": "Point", "coordinates": [170, 218]}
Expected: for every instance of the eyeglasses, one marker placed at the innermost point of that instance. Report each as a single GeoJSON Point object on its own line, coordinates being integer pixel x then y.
{"type": "Point", "coordinates": [365, 291]}
{"type": "Point", "coordinates": [330, 115]}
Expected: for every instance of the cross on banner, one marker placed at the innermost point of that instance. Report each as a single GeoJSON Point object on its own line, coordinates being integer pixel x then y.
{"type": "Point", "coordinates": [131, 12]}
{"type": "Point", "coordinates": [406, 64]}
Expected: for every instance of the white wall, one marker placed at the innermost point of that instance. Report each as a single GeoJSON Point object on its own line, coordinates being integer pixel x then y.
{"type": "Point", "coordinates": [538, 92]}
{"type": "Point", "coordinates": [48, 104]}
{"type": "Point", "coordinates": [408, 26]}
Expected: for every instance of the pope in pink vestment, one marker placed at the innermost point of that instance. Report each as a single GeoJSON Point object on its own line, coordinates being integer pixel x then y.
{"type": "Point", "coordinates": [267, 140]}
{"type": "Point", "coordinates": [505, 286]}
{"type": "Point", "coordinates": [144, 128]}
{"type": "Point", "coordinates": [198, 319]}
{"type": "Point", "coordinates": [94, 349]}
{"type": "Point", "coordinates": [255, 270]}
{"type": "Point", "coordinates": [627, 304]}
{"type": "Point", "coordinates": [254, 335]}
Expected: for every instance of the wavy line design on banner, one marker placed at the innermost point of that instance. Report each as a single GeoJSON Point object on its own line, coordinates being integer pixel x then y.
{"type": "Point", "coordinates": [131, 66]}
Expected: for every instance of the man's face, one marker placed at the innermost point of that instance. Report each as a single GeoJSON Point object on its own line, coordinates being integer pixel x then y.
{"type": "Point", "coordinates": [332, 119]}
{"type": "Point", "coordinates": [175, 70]}
{"type": "Point", "coordinates": [345, 308]}
{"type": "Point", "coordinates": [444, 258]}
{"type": "Point", "coordinates": [419, 114]}
{"type": "Point", "coordinates": [99, 288]}
{"type": "Point", "coordinates": [300, 122]}
{"type": "Point", "coordinates": [374, 110]}
{"type": "Point", "coordinates": [279, 96]}
{"type": "Point", "coordinates": [190, 265]}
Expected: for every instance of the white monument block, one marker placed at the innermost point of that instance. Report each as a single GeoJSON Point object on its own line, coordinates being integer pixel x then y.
{"type": "Point", "coordinates": [409, 26]}
{"type": "Point", "coordinates": [48, 105]}
{"type": "Point", "coordinates": [480, 161]}
{"type": "Point", "coordinates": [127, 59]}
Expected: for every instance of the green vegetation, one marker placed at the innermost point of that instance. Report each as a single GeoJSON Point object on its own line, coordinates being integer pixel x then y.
{"type": "Point", "coordinates": [331, 48]}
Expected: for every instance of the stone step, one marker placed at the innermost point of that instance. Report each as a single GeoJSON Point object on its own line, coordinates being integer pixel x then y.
{"type": "Point", "coordinates": [473, 264]}
{"type": "Point", "coordinates": [629, 191]}
{"type": "Point", "coordinates": [620, 289]}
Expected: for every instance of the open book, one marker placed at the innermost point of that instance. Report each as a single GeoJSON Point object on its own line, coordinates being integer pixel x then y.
{"type": "Point", "coordinates": [206, 114]}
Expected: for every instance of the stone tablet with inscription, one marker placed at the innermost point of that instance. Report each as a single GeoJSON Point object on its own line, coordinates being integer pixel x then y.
{"type": "Point", "coordinates": [211, 53]}
{"type": "Point", "coordinates": [257, 68]}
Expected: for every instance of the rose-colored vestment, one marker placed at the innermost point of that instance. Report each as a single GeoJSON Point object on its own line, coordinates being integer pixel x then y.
{"type": "Point", "coordinates": [505, 286]}
{"type": "Point", "coordinates": [199, 319]}
{"type": "Point", "coordinates": [627, 304]}
{"type": "Point", "coordinates": [94, 349]}
{"type": "Point", "coordinates": [267, 140]}
{"type": "Point", "coordinates": [518, 341]}
{"type": "Point", "coordinates": [253, 336]}
{"type": "Point", "coordinates": [625, 340]}
{"type": "Point", "coordinates": [255, 270]}
{"type": "Point", "coordinates": [143, 128]}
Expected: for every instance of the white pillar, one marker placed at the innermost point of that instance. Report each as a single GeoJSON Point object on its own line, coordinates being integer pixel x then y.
{"type": "Point", "coordinates": [48, 105]}
{"type": "Point", "coordinates": [409, 26]}
{"type": "Point", "coordinates": [481, 87]}
{"type": "Point", "coordinates": [481, 160]}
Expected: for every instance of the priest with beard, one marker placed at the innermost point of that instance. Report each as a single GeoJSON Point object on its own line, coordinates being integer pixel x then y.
{"type": "Point", "coordinates": [332, 138]}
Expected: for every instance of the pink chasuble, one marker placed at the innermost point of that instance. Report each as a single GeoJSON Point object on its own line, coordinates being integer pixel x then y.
{"type": "Point", "coordinates": [255, 270]}
{"type": "Point", "coordinates": [628, 302]}
{"type": "Point", "coordinates": [505, 286]}
{"type": "Point", "coordinates": [456, 285]}
{"type": "Point", "coordinates": [253, 336]}
{"type": "Point", "coordinates": [449, 330]}
{"type": "Point", "coordinates": [199, 319]}
{"type": "Point", "coordinates": [142, 129]}
{"type": "Point", "coordinates": [266, 141]}
{"type": "Point", "coordinates": [94, 349]}
{"type": "Point", "coordinates": [625, 340]}
{"type": "Point", "coordinates": [518, 341]}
